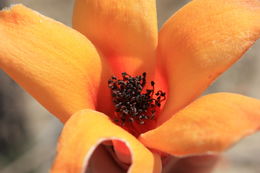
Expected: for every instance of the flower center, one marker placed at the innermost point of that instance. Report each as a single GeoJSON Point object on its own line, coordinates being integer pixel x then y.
{"type": "Point", "coordinates": [136, 107]}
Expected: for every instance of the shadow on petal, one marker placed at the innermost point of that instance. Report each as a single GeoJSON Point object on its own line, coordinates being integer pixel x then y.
{"type": "Point", "coordinates": [100, 160]}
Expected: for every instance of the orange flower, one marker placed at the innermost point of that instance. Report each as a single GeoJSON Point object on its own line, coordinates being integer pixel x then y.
{"type": "Point", "coordinates": [68, 75]}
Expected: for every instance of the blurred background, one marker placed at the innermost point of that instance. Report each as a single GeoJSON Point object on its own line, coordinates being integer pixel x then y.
{"type": "Point", "coordinates": [28, 133]}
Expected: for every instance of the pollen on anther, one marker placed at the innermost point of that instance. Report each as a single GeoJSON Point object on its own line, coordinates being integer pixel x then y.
{"type": "Point", "coordinates": [133, 103]}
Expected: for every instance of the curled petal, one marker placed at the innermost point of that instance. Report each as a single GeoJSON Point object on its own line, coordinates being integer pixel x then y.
{"type": "Point", "coordinates": [55, 64]}
{"type": "Point", "coordinates": [200, 42]}
{"type": "Point", "coordinates": [124, 31]}
{"type": "Point", "coordinates": [85, 130]}
{"type": "Point", "coordinates": [210, 124]}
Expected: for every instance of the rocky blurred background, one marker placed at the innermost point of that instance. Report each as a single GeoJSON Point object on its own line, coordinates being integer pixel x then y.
{"type": "Point", "coordinates": [28, 133]}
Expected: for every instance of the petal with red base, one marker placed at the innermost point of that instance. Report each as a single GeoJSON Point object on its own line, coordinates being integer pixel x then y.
{"type": "Point", "coordinates": [124, 31]}
{"type": "Point", "coordinates": [200, 42]}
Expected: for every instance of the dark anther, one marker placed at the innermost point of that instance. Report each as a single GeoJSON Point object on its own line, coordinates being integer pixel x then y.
{"type": "Point", "coordinates": [132, 102]}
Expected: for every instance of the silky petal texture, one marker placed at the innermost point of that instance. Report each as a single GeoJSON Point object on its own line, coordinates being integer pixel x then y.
{"type": "Point", "coordinates": [200, 42]}
{"type": "Point", "coordinates": [210, 124]}
{"type": "Point", "coordinates": [55, 64]}
{"type": "Point", "coordinates": [92, 128]}
{"type": "Point", "coordinates": [124, 31]}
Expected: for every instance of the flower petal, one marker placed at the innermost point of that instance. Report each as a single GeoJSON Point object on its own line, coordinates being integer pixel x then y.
{"type": "Point", "coordinates": [200, 42]}
{"type": "Point", "coordinates": [55, 64]}
{"type": "Point", "coordinates": [85, 130]}
{"type": "Point", "coordinates": [124, 31]}
{"type": "Point", "coordinates": [210, 124]}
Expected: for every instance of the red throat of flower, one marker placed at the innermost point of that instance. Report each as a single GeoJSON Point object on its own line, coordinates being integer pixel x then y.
{"type": "Point", "coordinates": [136, 107]}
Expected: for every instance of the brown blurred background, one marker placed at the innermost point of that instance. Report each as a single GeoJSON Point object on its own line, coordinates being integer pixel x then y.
{"type": "Point", "coordinates": [28, 133]}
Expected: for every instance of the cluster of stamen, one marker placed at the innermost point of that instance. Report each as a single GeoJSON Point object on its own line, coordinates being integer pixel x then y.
{"type": "Point", "coordinates": [133, 103]}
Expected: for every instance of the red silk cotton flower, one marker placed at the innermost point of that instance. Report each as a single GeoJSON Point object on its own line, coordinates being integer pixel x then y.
{"type": "Point", "coordinates": [125, 90]}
